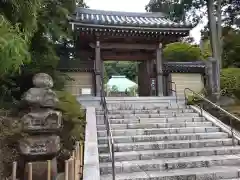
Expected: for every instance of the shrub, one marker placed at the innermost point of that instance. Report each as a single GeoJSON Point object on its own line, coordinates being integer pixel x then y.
{"type": "Point", "coordinates": [73, 125]}
{"type": "Point", "coordinates": [73, 119]}
{"type": "Point", "coordinates": [230, 82]}
{"type": "Point", "coordinates": [181, 52]}
{"type": "Point", "coordinates": [194, 99]}
{"type": "Point", "coordinates": [10, 134]}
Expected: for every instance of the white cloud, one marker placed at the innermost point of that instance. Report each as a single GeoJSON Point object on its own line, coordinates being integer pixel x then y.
{"type": "Point", "coordinates": [133, 6]}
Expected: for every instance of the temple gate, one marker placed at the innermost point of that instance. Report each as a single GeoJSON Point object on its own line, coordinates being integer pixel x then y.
{"type": "Point", "coordinates": [109, 35]}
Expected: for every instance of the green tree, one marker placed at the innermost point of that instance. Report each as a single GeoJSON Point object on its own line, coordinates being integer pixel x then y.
{"type": "Point", "coordinates": [181, 52]}
{"type": "Point", "coordinates": [178, 10]}
{"type": "Point", "coordinates": [114, 88]}
{"type": "Point", "coordinates": [230, 82]}
{"type": "Point", "coordinates": [127, 68]}
{"type": "Point", "coordinates": [43, 25]}
{"type": "Point", "coordinates": [231, 49]}
{"type": "Point", "coordinates": [206, 51]}
{"type": "Point", "coordinates": [13, 47]}
{"type": "Point", "coordinates": [18, 23]}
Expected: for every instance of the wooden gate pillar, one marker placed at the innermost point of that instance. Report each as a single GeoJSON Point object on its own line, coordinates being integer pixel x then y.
{"type": "Point", "coordinates": [98, 68]}
{"type": "Point", "coordinates": [159, 70]}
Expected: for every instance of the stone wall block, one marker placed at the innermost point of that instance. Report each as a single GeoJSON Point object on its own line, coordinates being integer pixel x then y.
{"type": "Point", "coordinates": [42, 97]}
{"type": "Point", "coordinates": [40, 145]}
{"type": "Point", "coordinates": [42, 120]}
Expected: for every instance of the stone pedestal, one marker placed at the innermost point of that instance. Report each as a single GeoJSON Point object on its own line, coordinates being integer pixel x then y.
{"type": "Point", "coordinates": [40, 170]}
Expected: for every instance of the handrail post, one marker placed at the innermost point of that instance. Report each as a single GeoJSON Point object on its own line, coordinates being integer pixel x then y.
{"type": "Point", "coordinates": [232, 134]}
{"type": "Point", "coordinates": [113, 162]}
{"type": "Point", "coordinates": [175, 89]}
{"type": "Point", "coordinates": [185, 97]}
{"type": "Point", "coordinates": [108, 126]}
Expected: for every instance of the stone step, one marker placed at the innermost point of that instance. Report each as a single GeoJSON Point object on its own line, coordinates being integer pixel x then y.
{"type": "Point", "coordinates": [137, 98]}
{"type": "Point", "coordinates": [154, 120]}
{"type": "Point", "coordinates": [170, 153]}
{"type": "Point", "coordinates": [205, 173]}
{"type": "Point", "coordinates": [164, 137]}
{"type": "Point", "coordinates": [151, 115]}
{"type": "Point", "coordinates": [158, 145]}
{"type": "Point", "coordinates": [170, 163]}
{"type": "Point", "coordinates": [133, 132]}
{"type": "Point", "coordinates": [140, 106]}
{"type": "Point", "coordinates": [156, 125]}
{"type": "Point", "coordinates": [149, 111]}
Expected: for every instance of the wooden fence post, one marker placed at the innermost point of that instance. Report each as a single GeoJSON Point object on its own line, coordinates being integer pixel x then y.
{"type": "Point", "coordinates": [81, 157]}
{"type": "Point", "coordinates": [73, 167]}
{"type": "Point", "coordinates": [29, 171]}
{"type": "Point", "coordinates": [14, 171]}
{"type": "Point", "coordinates": [66, 170]}
{"type": "Point", "coordinates": [77, 150]}
{"type": "Point", "coordinates": [49, 170]}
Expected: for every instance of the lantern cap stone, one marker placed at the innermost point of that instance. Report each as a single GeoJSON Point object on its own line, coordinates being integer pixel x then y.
{"type": "Point", "coordinates": [43, 80]}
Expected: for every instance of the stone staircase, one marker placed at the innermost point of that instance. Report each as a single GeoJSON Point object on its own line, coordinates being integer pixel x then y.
{"type": "Point", "coordinates": [165, 141]}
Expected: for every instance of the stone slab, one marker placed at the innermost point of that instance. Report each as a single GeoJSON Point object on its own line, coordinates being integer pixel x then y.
{"type": "Point", "coordinates": [167, 164]}
{"type": "Point", "coordinates": [164, 137]}
{"type": "Point", "coordinates": [134, 132]}
{"type": "Point", "coordinates": [40, 145]}
{"type": "Point", "coordinates": [91, 157]}
{"type": "Point", "coordinates": [209, 173]}
{"type": "Point", "coordinates": [42, 120]}
{"type": "Point", "coordinates": [158, 145]}
{"type": "Point", "coordinates": [155, 125]}
{"type": "Point", "coordinates": [170, 153]}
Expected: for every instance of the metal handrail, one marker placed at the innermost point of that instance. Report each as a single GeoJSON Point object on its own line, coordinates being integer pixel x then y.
{"type": "Point", "coordinates": [174, 90]}
{"type": "Point", "coordinates": [214, 105]}
{"type": "Point", "coordinates": [108, 127]}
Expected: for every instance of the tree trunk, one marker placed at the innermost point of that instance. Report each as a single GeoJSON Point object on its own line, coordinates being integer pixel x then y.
{"type": "Point", "coordinates": [219, 31]}
{"type": "Point", "coordinates": [214, 42]}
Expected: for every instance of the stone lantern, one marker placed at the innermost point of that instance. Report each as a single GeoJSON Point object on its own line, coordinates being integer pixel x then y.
{"type": "Point", "coordinates": [41, 124]}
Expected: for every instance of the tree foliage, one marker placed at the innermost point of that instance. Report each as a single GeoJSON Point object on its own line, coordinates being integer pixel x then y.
{"type": "Point", "coordinates": [114, 88]}
{"type": "Point", "coordinates": [13, 47]}
{"type": "Point", "coordinates": [30, 31]}
{"type": "Point", "coordinates": [230, 82]}
{"type": "Point", "coordinates": [178, 10]}
{"type": "Point", "coordinates": [121, 68]}
{"type": "Point", "coordinates": [194, 10]}
{"type": "Point", "coordinates": [231, 49]}
{"type": "Point", "coordinates": [181, 52]}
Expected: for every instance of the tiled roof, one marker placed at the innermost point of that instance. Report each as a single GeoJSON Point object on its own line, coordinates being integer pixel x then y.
{"type": "Point", "coordinates": [192, 67]}
{"type": "Point", "coordinates": [129, 19]}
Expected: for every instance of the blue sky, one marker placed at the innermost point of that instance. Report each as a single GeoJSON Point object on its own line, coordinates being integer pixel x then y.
{"type": "Point", "coordinates": [134, 6]}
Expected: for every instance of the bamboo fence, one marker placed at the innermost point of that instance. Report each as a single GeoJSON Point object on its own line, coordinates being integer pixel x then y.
{"type": "Point", "coordinates": [73, 166]}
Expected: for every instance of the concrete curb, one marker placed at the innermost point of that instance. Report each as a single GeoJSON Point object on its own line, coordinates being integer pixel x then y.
{"type": "Point", "coordinates": [91, 157]}
{"type": "Point", "coordinates": [217, 122]}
